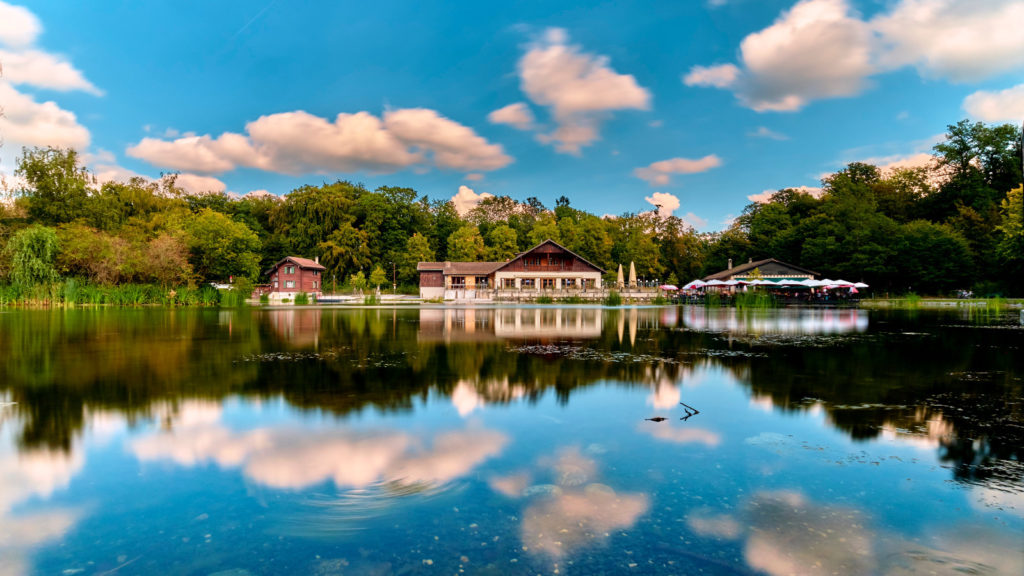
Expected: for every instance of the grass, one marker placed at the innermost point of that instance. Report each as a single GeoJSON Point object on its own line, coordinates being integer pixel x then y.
{"type": "Point", "coordinates": [545, 300]}
{"type": "Point", "coordinates": [371, 300]}
{"type": "Point", "coordinates": [264, 298]}
{"type": "Point", "coordinates": [573, 300]}
{"type": "Point", "coordinates": [301, 299]}
{"type": "Point", "coordinates": [755, 299]}
{"type": "Point", "coordinates": [659, 300]}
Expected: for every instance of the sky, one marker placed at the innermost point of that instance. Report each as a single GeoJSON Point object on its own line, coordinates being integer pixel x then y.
{"type": "Point", "coordinates": [692, 107]}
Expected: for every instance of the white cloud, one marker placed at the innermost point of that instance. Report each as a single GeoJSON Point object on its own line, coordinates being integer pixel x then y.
{"type": "Point", "coordinates": [43, 70]}
{"type": "Point", "coordinates": [766, 196]}
{"type": "Point", "coordinates": [466, 199]}
{"type": "Point", "coordinates": [18, 26]}
{"type": "Point", "coordinates": [577, 87]}
{"type": "Point", "coordinates": [695, 221]}
{"type": "Point", "coordinates": [474, 177]}
{"type": "Point", "coordinates": [1003, 106]}
{"type": "Point", "coordinates": [26, 122]}
{"type": "Point", "coordinates": [823, 49]}
{"type": "Point", "coordinates": [720, 76]}
{"type": "Point", "coordinates": [764, 132]}
{"type": "Point", "coordinates": [660, 173]}
{"type": "Point", "coordinates": [961, 40]}
{"type": "Point", "coordinates": [195, 184]}
{"type": "Point", "coordinates": [517, 115]}
{"type": "Point", "coordinates": [665, 203]}
{"type": "Point", "coordinates": [301, 143]}
{"type": "Point", "coordinates": [917, 160]}
{"type": "Point", "coordinates": [453, 145]}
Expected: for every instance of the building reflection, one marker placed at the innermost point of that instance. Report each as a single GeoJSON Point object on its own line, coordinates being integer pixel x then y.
{"type": "Point", "coordinates": [299, 328]}
{"type": "Point", "coordinates": [469, 324]}
{"type": "Point", "coordinates": [788, 321]}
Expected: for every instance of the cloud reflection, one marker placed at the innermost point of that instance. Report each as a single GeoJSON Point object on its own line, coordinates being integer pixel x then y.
{"type": "Point", "coordinates": [296, 459]}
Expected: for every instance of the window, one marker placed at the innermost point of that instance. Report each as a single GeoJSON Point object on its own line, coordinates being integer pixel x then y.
{"type": "Point", "coordinates": [289, 270]}
{"type": "Point", "coordinates": [481, 281]}
{"type": "Point", "coordinates": [458, 281]}
{"type": "Point", "coordinates": [527, 283]}
{"type": "Point", "coordinates": [275, 283]}
{"type": "Point", "coordinates": [590, 283]}
{"type": "Point", "coordinates": [289, 284]}
{"type": "Point", "coordinates": [568, 282]}
{"type": "Point", "coordinates": [508, 283]}
{"type": "Point", "coordinates": [314, 285]}
{"type": "Point", "coordinates": [547, 283]}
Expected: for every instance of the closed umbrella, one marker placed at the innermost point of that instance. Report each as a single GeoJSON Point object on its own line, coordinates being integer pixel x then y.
{"type": "Point", "coordinates": [618, 277]}
{"type": "Point", "coordinates": [632, 275]}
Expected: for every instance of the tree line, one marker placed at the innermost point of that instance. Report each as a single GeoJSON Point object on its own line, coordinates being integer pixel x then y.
{"type": "Point", "coordinates": [956, 224]}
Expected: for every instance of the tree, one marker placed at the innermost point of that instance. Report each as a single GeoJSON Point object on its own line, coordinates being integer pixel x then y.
{"type": "Point", "coordinates": [219, 247]}
{"type": "Point", "coordinates": [32, 253]}
{"type": "Point", "coordinates": [417, 249]}
{"type": "Point", "coordinates": [545, 228]}
{"type": "Point", "coordinates": [57, 186]}
{"type": "Point", "coordinates": [1011, 237]}
{"type": "Point", "coordinates": [466, 245]}
{"type": "Point", "coordinates": [445, 222]}
{"type": "Point", "coordinates": [378, 276]}
{"type": "Point", "coordinates": [346, 249]}
{"type": "Point", "coordinates": [931, 257]}
{"type": "Point", "coordinates": [167, 261]}
{"type": "Point", "coordinates": [504, 243]}
{"type": "Point", "coordinates": [358, 280]}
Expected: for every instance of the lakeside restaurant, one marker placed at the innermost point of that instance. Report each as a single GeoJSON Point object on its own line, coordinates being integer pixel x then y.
{"type": "Point", "coordinates": [781, 278]}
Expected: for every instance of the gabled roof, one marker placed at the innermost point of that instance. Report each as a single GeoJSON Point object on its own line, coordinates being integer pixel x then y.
{"type": "Point", "coordinates": [749, 267]}
{"type": "Point", "coordinates": [550, 241]}
{"type": "Point", "coordinates": [460, 268]}
{"type": "Point", "coordinates": [300, 262]}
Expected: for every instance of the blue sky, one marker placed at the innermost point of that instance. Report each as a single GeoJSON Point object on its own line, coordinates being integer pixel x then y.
{"type": "Point", "coordinates": [698, 106]}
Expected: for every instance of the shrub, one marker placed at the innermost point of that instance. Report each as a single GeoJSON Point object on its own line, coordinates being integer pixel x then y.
{"type": "Point", "coordinates": [613, 299]}
{"type": "Point", "coordinates": [301, 299]}
{"type": "Point", "coordinates": [264, 298]}
{"type": "Point", "coordinates": [545, 300]}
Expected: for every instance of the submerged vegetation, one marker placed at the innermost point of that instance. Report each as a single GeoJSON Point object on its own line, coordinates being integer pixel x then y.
{"type": "Point", "coordinates": [932, 230]}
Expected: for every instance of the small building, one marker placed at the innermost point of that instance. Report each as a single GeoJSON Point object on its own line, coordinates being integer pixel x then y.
{"type": "Point", "coordinates": [292, 275]}
{"type": "Point", "coordinates": [767, 269]}
{"type": "Point", "coordinates": [547, 267]}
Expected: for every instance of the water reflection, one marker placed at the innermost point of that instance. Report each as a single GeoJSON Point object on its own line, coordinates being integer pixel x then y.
{"type": "Point", "coordinates": [804, 322]}
{"type": "Point", "coordinates": [531, 421]}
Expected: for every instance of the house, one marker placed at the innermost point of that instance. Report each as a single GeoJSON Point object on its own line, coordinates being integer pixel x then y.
{"type": "Point", "coordinates": [292, 275]}
{"type": "Point", "coordinates": [767, 269]}
{"type": "Point", "coordinates": [547, 266]}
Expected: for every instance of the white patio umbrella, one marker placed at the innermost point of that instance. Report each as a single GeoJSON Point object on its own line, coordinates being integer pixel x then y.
{"type": "Point", "coordinates": [618, 278]}
{"type": "Point", "coordinates": [714, 283]}
{"type": "Point", "coordinates": [860, 285]}
{"type": "Point", "coordinates": [843, 283]}
{"type": "Point", "coordinates": [694, 284]}
{"type": "Point", "coordinates": [632, 275]}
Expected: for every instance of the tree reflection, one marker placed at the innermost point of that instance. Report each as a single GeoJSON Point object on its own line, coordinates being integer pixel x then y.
{"type": "Point", "coordinates": [916, 378]}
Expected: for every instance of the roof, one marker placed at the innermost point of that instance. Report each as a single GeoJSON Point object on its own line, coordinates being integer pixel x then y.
{"type": "Point", "coordinates": [300, 262]}
{"type": "Point", "coordinates": [580, 258]}
{"type": "Point", "coordinates": [484, 268]}
{"type": "Point", "coordinates": [750, 266]}
{"type": "Point", "coordinates": [460, 268]}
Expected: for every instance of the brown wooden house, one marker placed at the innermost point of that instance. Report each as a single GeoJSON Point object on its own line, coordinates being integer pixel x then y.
{"type": "Point", "coordinates": [547, 266]}
{"type": "Point", "coordinates": [292, 275]}
{"type": "Point", "coordinates": [767, 269]}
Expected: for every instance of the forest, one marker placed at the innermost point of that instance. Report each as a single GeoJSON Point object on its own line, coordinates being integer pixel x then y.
{"type": "Point", "coordinates": [957, 224]}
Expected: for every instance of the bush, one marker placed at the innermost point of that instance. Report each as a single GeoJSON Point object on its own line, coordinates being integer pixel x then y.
{"type": "Point", "coordinates": [371, 300]}
{"type": "Point", "coordinates": [264, 298]}
{"type": "Point", "coordinates": [301, 299]}
{"type": "Point", "coordinates": [545, 300]}
{"type": "Point", "coordinates": [659, 300]}
{"type": "Point", "coordinates": [613, 299]}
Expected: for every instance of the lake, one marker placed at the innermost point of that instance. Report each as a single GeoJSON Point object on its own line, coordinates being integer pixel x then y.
{"type": "Point", "coordinates": [521, 440]}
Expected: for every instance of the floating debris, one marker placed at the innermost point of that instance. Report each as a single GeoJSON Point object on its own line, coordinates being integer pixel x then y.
{"type": "Point", "coordinates": [657, 419]}
{"type": "Point", "coordinates": [582, 353]}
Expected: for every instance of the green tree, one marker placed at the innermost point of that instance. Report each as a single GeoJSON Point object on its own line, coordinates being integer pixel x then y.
{"type": "Point", "coordinates": [378, 276]}
{"type": "Point", "coordinates": [445, 221]}
{"type": "Point", "coordinates": [504, 243]}
{"type": "Point", "coordinates": [345, 250]}
{"type": "Point", "coordinates": [466, 245]}
{"type": "Point", "coordinates": [58, 187]}
{"type": "Point", "coordinates": [219, 247]}
{"type": "Point", "coordinates": [1011, 238]}
{"type": "Point", "coordinates": [417, 249]}
{"type": "Point", "coordinates": [931, 257]}
{"type": "Point", "coordinates": [32, 253]}
{"type": "Point", "coordinates": [545, 228]}
{"type": "Point", "coordinates": [358, 280]}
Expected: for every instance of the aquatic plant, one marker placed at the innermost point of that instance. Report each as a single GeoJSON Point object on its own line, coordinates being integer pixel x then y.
{"type": "Point", "coordinates": [756, 299]}
{"type": "Point", "coordinates": [545, 300]}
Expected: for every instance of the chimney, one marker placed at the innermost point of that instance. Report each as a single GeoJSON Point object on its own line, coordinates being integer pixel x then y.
{"type": "Point", "coordinates": [730, 264]}
{"type": "Point", "coordinates": [750, 260]}
{"type": "Point", "coordinates": [316, 259]}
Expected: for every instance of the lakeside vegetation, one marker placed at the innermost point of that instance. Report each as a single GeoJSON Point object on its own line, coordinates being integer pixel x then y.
{"type": "Point", "coordinates": [958, 224]}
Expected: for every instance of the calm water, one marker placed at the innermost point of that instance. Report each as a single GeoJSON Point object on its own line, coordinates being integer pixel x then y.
{"type": "Point", "coordinates": [510, 441]}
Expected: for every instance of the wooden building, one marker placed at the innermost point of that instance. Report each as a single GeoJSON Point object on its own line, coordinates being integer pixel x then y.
{"type": "Point", "coordinates": [292, 275]}
{"type": "Point", "coordinates": [767, 269]}
{"type": "Point", "coordinates": [547, 267]}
